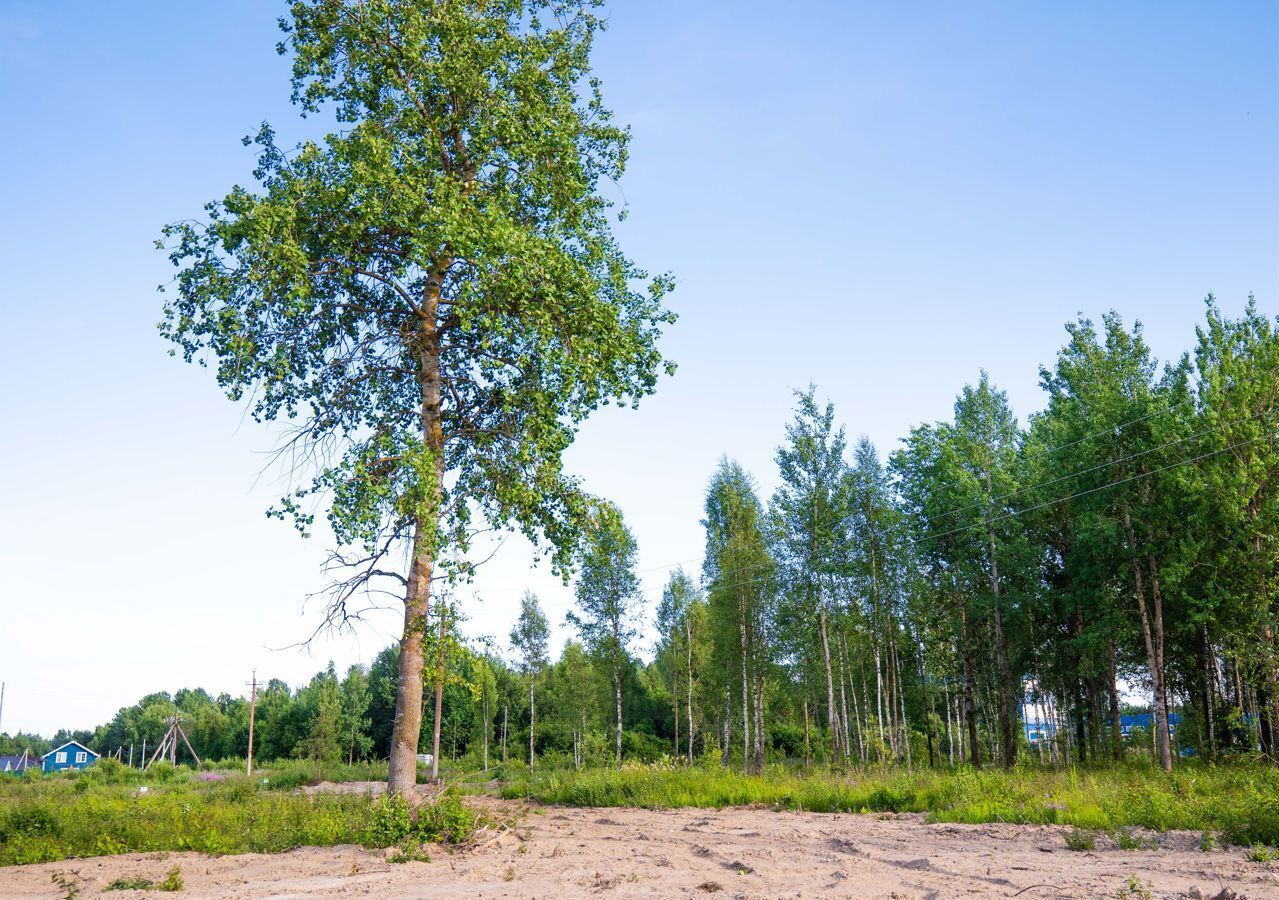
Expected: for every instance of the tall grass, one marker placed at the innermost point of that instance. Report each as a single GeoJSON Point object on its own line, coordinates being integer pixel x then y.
{"type": "Point", "coordinates": [1241, 802]}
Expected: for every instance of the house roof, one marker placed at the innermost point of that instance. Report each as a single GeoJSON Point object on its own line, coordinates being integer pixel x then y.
{"type": "Point", "coordinates": [70, 744]}
{"type": "Point", "coordinates": [21, 761]}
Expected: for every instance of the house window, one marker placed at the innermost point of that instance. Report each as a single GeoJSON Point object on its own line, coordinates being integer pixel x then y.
{"type": "Point", "coordinates": [81, 756]}
{"type": "Point", "coordinates": [61, 757]}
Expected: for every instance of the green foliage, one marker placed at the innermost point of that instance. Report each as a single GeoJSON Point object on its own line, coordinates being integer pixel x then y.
{"type": "Point", "coordinates": [449, 249]}
{"type": "Point", "coordinates": [1134, 889]}
{"type": "Point", "coordinates": [1237, 801]}
{"type": "Point", "coordinates": [1260, 853]}
{"type": "Point", "coordinates": [48, 820]}
{"type": "Point", "coordinates": [70, 887]}
{"type": "Point", "coordinates": [608, 596]}
{"type": "Point", "coordinates": [409, 853]}
{"type": "Point", "coordinates": [172, 882]}
{"type": "Point", "coordinates": [447, 820]}
{"type": "Point", "coordinates": [1081, 839]}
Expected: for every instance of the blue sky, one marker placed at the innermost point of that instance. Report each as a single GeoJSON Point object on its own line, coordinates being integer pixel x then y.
{"type": "Point", "coordinates": [878, 198]}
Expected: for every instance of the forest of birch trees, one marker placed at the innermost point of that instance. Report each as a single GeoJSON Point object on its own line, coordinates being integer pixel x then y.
{"type": "Point", "coordinates": [993, 588]}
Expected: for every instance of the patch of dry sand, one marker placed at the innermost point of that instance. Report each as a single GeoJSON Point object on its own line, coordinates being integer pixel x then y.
{"type": "Point", "coordinates": [560, 853]}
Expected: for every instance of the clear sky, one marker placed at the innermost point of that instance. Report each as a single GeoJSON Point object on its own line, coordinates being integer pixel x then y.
{"type": "Point", "coordinates": [880, 198]}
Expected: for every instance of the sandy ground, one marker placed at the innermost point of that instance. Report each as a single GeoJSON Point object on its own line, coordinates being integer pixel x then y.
{"type": "Point", "coordinates": [558, 853]}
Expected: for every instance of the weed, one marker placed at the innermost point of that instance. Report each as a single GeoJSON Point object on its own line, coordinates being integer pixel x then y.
{"type": "Point", "coordinates": [409, 852]}
{"type": "Point", "coordinates": [172, 882]}
{"type": "Point", "coordinates": [1080, 839]}
{"type": "Point", "coordinates": [1127, 839]}
{"type": "Point", "coordinates": [1134, 890]}
{"type": "Point", "coordinates": [1260, 853]}
{"type": "Point", "coordinates": [137, 883]}
{"type": "Point", "coordinates": [70, 887]}
{"type": "Point", "coordinates": [1208, 842]}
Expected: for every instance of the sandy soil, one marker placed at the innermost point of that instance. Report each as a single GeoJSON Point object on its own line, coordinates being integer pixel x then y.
{"type": "Point", "coordinates": [557, 853]}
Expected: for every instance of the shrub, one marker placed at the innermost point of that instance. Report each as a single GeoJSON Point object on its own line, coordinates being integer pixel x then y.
{"type": "Point", "coordinates": [1079, 840]}
{"type": "Point", "coordinates": [446, 821]}
{"type": "Point", "coordinates": [34, 820]}
{"type": "Point", "coordinates": [390, 823]}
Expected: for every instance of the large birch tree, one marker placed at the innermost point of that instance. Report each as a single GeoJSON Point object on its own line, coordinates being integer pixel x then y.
{"type": "Point", "coordinates": [431, 292]}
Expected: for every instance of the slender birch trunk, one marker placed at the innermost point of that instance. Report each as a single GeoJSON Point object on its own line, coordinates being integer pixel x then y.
{"type": "Point", "coordinates": [407, 725]}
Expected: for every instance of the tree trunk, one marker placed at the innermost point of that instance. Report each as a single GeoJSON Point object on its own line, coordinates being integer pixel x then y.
{"type": "Point", "coordinates": [1112, 684]}
{"type": "Point", "coordinates": [675, 694]}
{"type": "Point", "coordinates": [929, 708]}
{"type": "Point", "coordinates": [726, 731]}
{"type": "Point", "coordinates": [746, 719]}
{"type": "Point", "coordinates": [1209, 664]}
{"type": "Point", "coordinates": [532, 719]}
{"type": "Point", "coordinates": [832, 714]}
{"type": "Point", "coordinates": [407, 727]}
{"type": "Point", "coordinates": [806, 754]}
{"type": "Point", "coordinates": [688, 632]}
{"type": "Point", "coordinates": [1001, 655]}
{"type": "Point", "coordinates": [1152, 632]}
{"type": "Point", "coordinates": [617, 688]}
{"type": "Point", "coordinates": [901, 702]}
{"type": "Point", "coordinates": [879, 691]}
{"type": "Point", "coordinates": [970, 708]}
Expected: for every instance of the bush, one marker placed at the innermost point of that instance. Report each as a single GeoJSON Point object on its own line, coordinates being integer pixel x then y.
{"type": "Point", "coordinates": [788, 740]}
{"type": "Point", "coordinates": [391, 823]}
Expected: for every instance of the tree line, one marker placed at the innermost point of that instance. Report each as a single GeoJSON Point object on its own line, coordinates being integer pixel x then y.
{"type": "Point", "coordinates": [989, 590]}
{"type": "Point", "coordinates": [991, 582]}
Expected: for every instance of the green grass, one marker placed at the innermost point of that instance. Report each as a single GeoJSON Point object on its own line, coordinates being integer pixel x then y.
{"type": "Point", "coordinates": [43, 819]}
{"type": "Point", "coordinates": [1241, 802]}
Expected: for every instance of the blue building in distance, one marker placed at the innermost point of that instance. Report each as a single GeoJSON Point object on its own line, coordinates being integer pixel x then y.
{"type": "Point", "coordinates": [71, 755]}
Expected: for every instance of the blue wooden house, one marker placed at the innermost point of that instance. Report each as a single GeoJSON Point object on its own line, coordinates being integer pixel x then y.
{"type": "Point", "coordinates": [1128, 724]}
{"type": "Point", "coordinates": [16, 765]}
{"type": "Point", "coordinates": [71, 755]}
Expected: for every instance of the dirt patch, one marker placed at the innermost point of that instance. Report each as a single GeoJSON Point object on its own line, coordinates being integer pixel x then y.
{"type": "Point", "coordinates": [740, 853]}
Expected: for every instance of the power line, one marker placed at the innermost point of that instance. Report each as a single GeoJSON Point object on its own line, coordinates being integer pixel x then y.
{"type": "Point", "coordinates": [1041, 453]}
{"type": "Point", "coordinates": [1122, 425]}
{"type": "Point", "coordinates": [1093, 490]}
{"type": "Point", "coordinates": [1057, 500]}
{"type": "Point", "coordinates": [1014, 513]}
{"type": "Point", "coordinates": [1075, 474]}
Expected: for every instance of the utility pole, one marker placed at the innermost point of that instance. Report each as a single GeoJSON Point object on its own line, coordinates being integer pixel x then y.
{"type": "Point", "coordinates": [253, 705]}
{"type": "Point", "coordinates": [1, 703]}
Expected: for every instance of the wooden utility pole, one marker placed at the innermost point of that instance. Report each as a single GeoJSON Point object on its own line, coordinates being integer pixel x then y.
{"type": "Point", "coordinates": [170, 743]}
{"type": "Point", "coordinates": [1, 703]}
{"type": "Point", "coordinates": [253, 705]}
